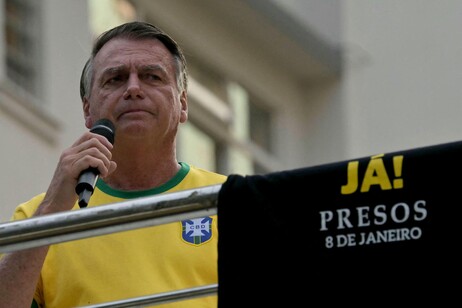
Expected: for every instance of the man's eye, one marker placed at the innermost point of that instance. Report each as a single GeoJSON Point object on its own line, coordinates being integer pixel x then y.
{"type": "Point", "coordinates": [152, 77]}
{"type": "Point", "coordinates": [114, 79]}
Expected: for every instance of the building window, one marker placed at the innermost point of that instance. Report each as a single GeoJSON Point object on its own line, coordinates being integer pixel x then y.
{"type": "Point", "coordinates": [229, 129]}
{"type": "Point", "coordinates": [197, 148]}
{"type": "Point", "coordinates": [22, 50]}
{"type": "Point", "coordinates": [251, 128]}
{"type": "Point", "coordinates": [260, 125]}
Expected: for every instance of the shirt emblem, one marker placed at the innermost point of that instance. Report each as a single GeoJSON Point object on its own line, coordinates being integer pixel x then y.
{"type": "Point", "coordinates": [197, 231]}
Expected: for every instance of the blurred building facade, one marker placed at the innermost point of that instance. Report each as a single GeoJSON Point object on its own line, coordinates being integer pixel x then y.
{"type": "Point", "coordinates": [274, 84]}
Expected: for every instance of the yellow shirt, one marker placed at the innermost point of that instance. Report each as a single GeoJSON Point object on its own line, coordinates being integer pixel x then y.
{"type": "Point", "coordinates": [133, 263]}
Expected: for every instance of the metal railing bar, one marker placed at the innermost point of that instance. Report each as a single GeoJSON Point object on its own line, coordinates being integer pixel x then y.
{"type": "Point", "coordinates": [161, 298]}
{"type": "Point", "coordinates": [116, 217]}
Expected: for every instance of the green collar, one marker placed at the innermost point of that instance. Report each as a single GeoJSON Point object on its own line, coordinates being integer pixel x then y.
{"type": "Point", "coordinates": [148, 192]}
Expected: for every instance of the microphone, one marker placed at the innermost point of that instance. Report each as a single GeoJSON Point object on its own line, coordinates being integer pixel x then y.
{"type": "Point", "coordinates": [87, 179]}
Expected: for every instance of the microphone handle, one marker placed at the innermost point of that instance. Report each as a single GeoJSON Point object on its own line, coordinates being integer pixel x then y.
{"type": "Point", "coordinates": [85, 186]}
{"type": "Point", "coordinates": [88, 178]}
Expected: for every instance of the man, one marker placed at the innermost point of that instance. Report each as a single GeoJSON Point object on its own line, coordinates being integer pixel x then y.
{"type": "Point", "coordinates": [137, 78]}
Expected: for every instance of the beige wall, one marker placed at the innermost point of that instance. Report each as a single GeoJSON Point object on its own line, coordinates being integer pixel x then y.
{"type": "Point", "coordinates": [401, 84]}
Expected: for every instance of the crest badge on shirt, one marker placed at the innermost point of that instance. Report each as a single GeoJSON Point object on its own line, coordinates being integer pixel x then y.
{"type": "Point", "coordinates": [197, 231]}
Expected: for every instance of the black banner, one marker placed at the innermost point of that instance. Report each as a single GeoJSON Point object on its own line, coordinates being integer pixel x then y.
{"type": "Point", "coordinates": [375, 230]}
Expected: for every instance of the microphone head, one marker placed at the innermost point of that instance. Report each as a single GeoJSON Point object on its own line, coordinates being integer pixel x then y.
{"type": "Point", "coordinates": [104, 127]}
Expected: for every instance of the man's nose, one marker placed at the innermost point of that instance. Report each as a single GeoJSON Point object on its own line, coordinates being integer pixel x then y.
{"type": "Point", "coordinates": [133, 88]}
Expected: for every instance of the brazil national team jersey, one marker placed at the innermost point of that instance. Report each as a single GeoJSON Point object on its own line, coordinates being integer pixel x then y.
{"type": "Point", "coordinates": [133, 263]}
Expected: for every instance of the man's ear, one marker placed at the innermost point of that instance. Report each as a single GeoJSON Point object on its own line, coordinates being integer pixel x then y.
{"type": "Point", "coordinates": [184, 106]}
{"type": "Point", "coordinates": [86, 113]}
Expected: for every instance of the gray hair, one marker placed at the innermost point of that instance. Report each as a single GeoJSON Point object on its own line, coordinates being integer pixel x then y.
{"type": "Point", "coordinates": [136, 30]}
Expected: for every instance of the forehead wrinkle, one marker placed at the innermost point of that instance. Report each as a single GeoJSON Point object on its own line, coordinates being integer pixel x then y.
{"type": "Point", "coordinates": [141, 67]}
{"type": "Point", "coordinates": [139, 57]}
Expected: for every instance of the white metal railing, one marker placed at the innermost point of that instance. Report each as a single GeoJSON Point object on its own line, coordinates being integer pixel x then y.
{"type": "Point", "coordinates": [116, 217]}
{"type": "Point", "coordinates": [161, 298]}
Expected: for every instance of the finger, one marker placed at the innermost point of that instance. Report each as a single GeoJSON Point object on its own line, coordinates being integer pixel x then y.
{"type": "Point", "coordinates": [92, 158]}
{"type": "Point", "coordinates": [94, 139]}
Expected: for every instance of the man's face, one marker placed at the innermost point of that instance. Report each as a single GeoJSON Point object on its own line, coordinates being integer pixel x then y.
{"type": "Point", "coordinates": [135, 87]}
